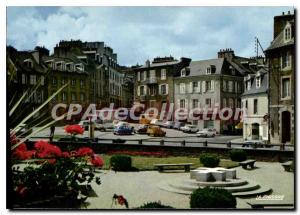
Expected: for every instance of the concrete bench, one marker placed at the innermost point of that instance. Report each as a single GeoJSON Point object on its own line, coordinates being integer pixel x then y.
{"type": "Point", "coordinates": [161, 167]}
{"type": "Point", "coordinates": [246, 163]}
{"type": "Point", "coordinates": [287, 166]}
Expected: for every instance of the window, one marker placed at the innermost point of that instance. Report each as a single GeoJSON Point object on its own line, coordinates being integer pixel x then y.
{"type": "Point", "coordinates": [28, 63]}
{"type": "Point", "coordinates": [54, 81]}
{"type": "Point", "coordinates": [230, 86]}
{"type": "Point", "coordinates": [152, 90]}
{"type": "Point", "coordinates": [285, 60]}
{"type": "Point", "coordinates": [208, 124]}
{"type": "Point", "coordinates": [257, 81]}
{"type": "Point", "coordinates": [195, 103]}
{"type": "Point", "coordinates": [82, 83]}
{"type": "Point", "coordinates": [208, 102]}
{"type": "Point", "coordinates": [224, 102]}
{"type": "Point", "coordinates": [224, 86]}
{"type": "Point", "coordinates": [73, 97]}
{"type": "Point", "coordinates": [213, 68]}
{"type": "Point", "coordinates": [73, 82]}
{"type": "Point", "coordinates": [182, 88]}
{"type": "Point", "coordinates": [285, 88]}
{"type": "Point", "coordinates": [182, 103]}
{"type": "Point", "coordinates": [208, 86]}
{"type": "Point", "coordinates": [32, 79]}
{"type": "Point", "coordinates": [23, 79]}
{"type": "Point", "coordinates": [195, 87]}
{"type": "Point", "coordinates": [287, 33]}
{"type": "Point", "coordinates": [183, 73]}
{"type": "Point", "coordinates": [255, 106]}
{"type": "Point", "coordinates": [142, 90]}
{"type": "Point", "coordinates": [249, 85]}
{"type": "Point", "coordinates": [42, 80]}
{"type": "Point", "coordinates": [82, 97]}
{"type": "Point", "coordinates": [152, 74]}
{"type": "Point", "coordinates": [143, 75]}
{"type": "Point", "coordinates": [163, 74]}
{"type": "Point", "coordinates": [208, 70]}
{"type": "Point", "coordinates": [246, 104]}
{"type": "Point", "coordinates": [64, 96]}
{"type": "Point", "coordinates": [163, 89]}
{"type": "Point", "coordinates": [231, 103]}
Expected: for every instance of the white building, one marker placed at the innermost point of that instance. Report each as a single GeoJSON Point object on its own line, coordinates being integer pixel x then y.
{"type": "Point", "coordinates": [255, 104]}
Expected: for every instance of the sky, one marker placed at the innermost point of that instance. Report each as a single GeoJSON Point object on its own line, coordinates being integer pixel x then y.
{"type": "Point", "coordinates": [140, 33]}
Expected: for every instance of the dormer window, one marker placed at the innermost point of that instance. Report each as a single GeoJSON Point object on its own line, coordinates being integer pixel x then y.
{"type": "Point", "coordinates": [28, 63]}
{"type": "Point", "coordinates": [257, 82]}
{"type": "Point", "coordinates": [249, 85]}
{"type": "Point", "coordinates": [183, 73]}
{"type": "Point", "coordinates": [288, 33]}
{"type": "Point", "coordinates": [208, 71]}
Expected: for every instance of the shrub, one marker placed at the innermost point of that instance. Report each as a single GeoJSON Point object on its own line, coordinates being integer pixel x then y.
{"type": "Point", "coordinates": [238, 155]}
{"type": "Point", "coordinates": [120, 162]}
{"type": "Point", "coordinates": [154, 205]}
{"type": "Point", "coordinates": [209, 160]}
{"type": "Point", "coordinates": [212, 198]}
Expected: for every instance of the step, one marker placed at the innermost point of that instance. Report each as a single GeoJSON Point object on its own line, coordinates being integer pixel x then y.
{"type": "Point", "coordinates": [227, 183]}
{"type": "Point", "coordinates": [261, 190]}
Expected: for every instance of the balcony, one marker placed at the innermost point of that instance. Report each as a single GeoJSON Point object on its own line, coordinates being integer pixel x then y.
{"type": "Point", "coordinates": [151, 80]}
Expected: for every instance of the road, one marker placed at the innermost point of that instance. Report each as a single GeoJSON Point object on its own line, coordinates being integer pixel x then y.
{"type": "Point", "coordinates": [172, 138]}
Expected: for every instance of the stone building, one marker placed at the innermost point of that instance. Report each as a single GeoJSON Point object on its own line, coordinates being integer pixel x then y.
{"type": "Point", "coordinates": [281, 62]}
{"type": "Point", "coordinates": [255, 103]}
{"type": "Point", "coordinates": [154, 81]}
{"type": "Point", "coordinates": [26, 73]}
{"type": "Point", "coordinates": [213, 84]}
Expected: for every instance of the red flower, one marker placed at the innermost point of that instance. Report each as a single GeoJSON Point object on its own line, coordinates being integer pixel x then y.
{"type": "Point", "coordinates": [85, 151]}
{"type": "Point", "coordinates": [22, 147]}
{"type": "Point", "coordinates": [46, 150]}
{"type": "Point", "coordinates": [23, 155]}
{"type": "Point", "coordinates": [41, 145]}
{"type": "Point", "coordinates": [74, 129]}
{"type": "Point", "coordinates": [121, 200]}
{"type": "Point", "coordinates": [65, 154]}
{"type": "Point", "coordinates": [97, 161]}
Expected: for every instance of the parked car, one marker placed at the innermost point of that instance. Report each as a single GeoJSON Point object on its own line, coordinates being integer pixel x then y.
{"type": "Point", "coordinates": [155, 131]}
{"type": "Point", "coordinates": [142, 129]}
{"type": "Point", "coordinates": [144, 120]}
{"type": "Point", "coordinates": [157, 122]}
{"type": "Point", "coordinates": [123, 130]}
{"type": "Point", "coordinates": [259, 143]}
{"type": "Point", "coordinates": [178, 125]}
{"type": "Point", "coordinates": [104, 126]}
{"type": "Point", "coordinates": [189, 128]}
{"type": "Point", "coordinates": [168, 124]}
{"type": "Point", "coordinates": [207, 132]}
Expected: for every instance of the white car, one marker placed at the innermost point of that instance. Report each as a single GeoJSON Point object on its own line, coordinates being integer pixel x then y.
{"type": "Point", "coordinates": [157, 122]}
{"type": "Point", "coordinates": [207, 132]}
{"type": "Point", "coordinates": [189, 128]}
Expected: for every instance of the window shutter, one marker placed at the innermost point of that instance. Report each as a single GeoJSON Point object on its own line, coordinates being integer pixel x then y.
{"type": "Point", "coordinates": [191, 87]}
{"type": "Point", "coordinates": [138, 76]}
{"type": "Point", "coordinates": [199, 87]}
{"type": "Point", "coordinates": [138, 91]}
{"type": "Point", "coordinates": [145, 90]}
{"type": "Point", "coordinates": [159, 89]}
{"type": "Point", "coordinates": [212, 82]}
{"type": "Point", "coordinates": [167, 89]}
{"type": "Point", "coordinates": [204, 86]}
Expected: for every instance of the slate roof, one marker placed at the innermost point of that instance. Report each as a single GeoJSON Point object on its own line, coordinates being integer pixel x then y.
{"type": "Point", "coordinates": [279, 42]}
{"type": "Point", "coordinates": [199, 67]}
{"type": "Point", "coordinates": [264, 86]}
{"type": "Point", "coordinates": [160, 64]}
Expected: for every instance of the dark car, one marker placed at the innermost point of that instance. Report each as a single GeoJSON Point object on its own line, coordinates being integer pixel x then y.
{"type": "Point", "coordinates": [123, 130]}
{"type": "Point", "coordinates": [178, 125]}
{"type": "Point", "coordinates": [142, 129]}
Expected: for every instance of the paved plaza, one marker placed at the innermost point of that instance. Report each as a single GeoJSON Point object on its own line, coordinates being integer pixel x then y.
{"type": "Point", "coordinates": [141, 187]}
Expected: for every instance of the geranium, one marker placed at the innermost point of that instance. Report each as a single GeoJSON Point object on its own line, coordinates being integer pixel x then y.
{"type": "Point", "coordinates": [97, 161]}
{"type": "Point", "coordinates": [74, 129]}
{"type": "Point", "coordinates": [23, 155]}
{"type": "Point", "coordinates": [119, 199]}
{"type": "Point", "coordinates": [45, 150]}
{"type": "Point", "coordinates": [65, 154]}
{"type": "Point", "coordinates": [85, 151]}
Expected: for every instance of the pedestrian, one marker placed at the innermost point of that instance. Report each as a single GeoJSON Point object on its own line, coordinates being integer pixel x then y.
{"type": "Point", "coordinates": [52, 130]}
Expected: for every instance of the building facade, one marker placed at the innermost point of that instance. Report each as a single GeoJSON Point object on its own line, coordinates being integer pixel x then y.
{"type": "Point", "coordinates": [255, 104]}
{"type": "Point", "coordinates": [154, 82]}
{"type": "Point", "coordinates": [211, 85]}
{"type": "Point", "coordinates": [281, 62]}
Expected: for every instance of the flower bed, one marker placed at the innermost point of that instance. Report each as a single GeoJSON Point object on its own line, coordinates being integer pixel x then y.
{"type": "Point", "coordinates": [138, 153]}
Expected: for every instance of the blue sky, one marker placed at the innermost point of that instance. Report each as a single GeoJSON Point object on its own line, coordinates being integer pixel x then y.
{"type": "Point", "coordinates": [139, 33]}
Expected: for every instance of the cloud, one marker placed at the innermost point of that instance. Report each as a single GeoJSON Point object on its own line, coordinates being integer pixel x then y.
{"type": "Point", "coordinates": [139, 33]}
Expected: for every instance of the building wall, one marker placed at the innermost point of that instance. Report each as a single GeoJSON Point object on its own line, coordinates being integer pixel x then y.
{"type": "Point", "coordinates": [249, 118]}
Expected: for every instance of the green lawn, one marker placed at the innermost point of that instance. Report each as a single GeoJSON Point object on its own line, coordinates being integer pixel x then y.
{"type": "Point", "coordinates": [147, 162]}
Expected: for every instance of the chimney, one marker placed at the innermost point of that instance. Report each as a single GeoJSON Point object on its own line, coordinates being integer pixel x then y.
{"type": "Point", "coordinates": [227, 53]}
{"type": "Point", "coordinates": [147, 63]}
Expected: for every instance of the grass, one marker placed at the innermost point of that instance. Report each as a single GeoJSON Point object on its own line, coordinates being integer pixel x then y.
{"type": "Point", "coordinates": [143, 163]}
